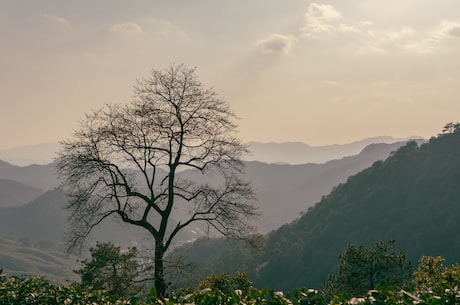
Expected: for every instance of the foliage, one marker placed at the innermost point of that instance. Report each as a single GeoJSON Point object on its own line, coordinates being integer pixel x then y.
{"type": "Point", "coordinates": [124, 161]}
{"type": "Point", "coordinates": [111, 270]}
{"type": "Point", "coordinates": [223, 256]}
{"type": "Point", "coordinates": [362, 269]}
{"type": "Point", "coordinates": [433, 278]}
{"type": "Point", "coordinates": [226, 283]}
{"type": "Point", "coordinates": [36, 290]}
{"type": "Point", "coordinates": [214, 296]}
{"type": "Point", "coordinates": [451, 127]}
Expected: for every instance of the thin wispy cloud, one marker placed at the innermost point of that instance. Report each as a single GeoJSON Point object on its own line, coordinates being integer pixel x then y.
{"type": "Point", "coordinates": [403, 33]}
{"type": "Point", "coordinates": [128, 27]}
{"type": "Point", "coordinates": [324, 20]}
{"type": "Point", "coordinates": [318, 18]}
{"type": "Point", "coordinates": [57, 19]}
{"type": "Point", "coordinates": [342, 27]}
{"type": "Point", "coordinates": [436, 40]}
{"type": "Point", "coordinates": [165, 28]}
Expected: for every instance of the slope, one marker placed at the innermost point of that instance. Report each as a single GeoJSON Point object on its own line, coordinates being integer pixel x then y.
{"type": "Point", "coordinates": [285, 191]}
{"type": "Point", "coordinates": [13, 193]}
{"type": "Point", "coordinates": [412, 197]}
{"type": "Point", "coordinates": [23, 258]}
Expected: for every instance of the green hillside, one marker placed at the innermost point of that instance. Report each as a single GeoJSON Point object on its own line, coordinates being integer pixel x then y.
{"type": "Point", "coordinates": [25, 258]}
{"type": "Point", "coordinates": [412, 197]}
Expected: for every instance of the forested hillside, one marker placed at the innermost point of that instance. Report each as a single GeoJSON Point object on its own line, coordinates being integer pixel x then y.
{"type": "Point", "coordinates": [13, 193]}
{"type": "Point", "coordinates": [412, 197]}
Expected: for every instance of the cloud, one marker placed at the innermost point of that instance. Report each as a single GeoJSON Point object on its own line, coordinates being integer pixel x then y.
{"type": "Point", "coordinates": [166, 28]}
{"type": "Point", "coordinates": [435, 40]}
{"type": "Point", "coordinates": [401, 34]}
{"type": "Point", "coordinates": [128, 27]}
{"type": "Point", "coordinates": [347, 28]}
{"type": "Point", "coordinates": [56, 19]}
{"type": "Point", "coordinates": [318, 17]}
{"type": "Point", "coordinates": [449, 28]}
{"type": "Point", "coordinates": [369, 49]}
{"type": "Point", "coordinates": [276, 44]}
{"type": "Point", "coordinates": [455, 31]}
{"type": "Point", "coordinates": [332, 83]}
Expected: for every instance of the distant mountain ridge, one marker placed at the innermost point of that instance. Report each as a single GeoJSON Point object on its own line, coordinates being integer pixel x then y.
{"type": "Point", "coordinates": [284, 191]}
{"type": "Point", "coordinates": [301, 153]}
{"type": "Point", "coordinates": [41, 154]}
{"type": "Point", "coordinates": [272, 152]}
{"type": "Point", "coordinates": [43, 177]}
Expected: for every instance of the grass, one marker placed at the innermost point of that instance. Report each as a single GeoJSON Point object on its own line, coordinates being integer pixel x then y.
{"type": "Point", "coordinates": [18, 259]}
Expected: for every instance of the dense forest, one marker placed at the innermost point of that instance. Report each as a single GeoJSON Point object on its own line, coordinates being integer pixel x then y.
{"type": "Point", "coordinates": [412, 197]}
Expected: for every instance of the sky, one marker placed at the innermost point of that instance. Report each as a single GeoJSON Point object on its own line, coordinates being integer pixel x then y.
{"type": "Point", "coordinates": [318, 72]}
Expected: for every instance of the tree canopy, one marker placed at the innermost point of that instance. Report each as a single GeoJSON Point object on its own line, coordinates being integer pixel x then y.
{"type": "Point", "coordinates": [362, 269]}
{"type": "Point", "coordinates": [125, 158]}
{"type": "Point", "coordinates": [110, 269]}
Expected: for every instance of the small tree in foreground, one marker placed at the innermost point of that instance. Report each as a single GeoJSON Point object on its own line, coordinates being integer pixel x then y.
{"type": "Point", "coordinates": [227, 284]}
{"type": "Point", "coordinates": [125, 161]}
{"type": "Point", "coordinates": [432, 276]}
{"type": "Point", "coordinates": [362, 269]}
{"type": "Point", "coordinates": [110, 269]}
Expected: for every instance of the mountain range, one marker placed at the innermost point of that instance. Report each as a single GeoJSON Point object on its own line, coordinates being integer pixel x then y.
{"type": "Point", "coordinates": [285, 153]}
{"type": "Point", "coordinates": [302, 153]}
{"type": "Point", "coordinates": [412, 197]}
{"type": "Point", "coordinates": [284, 191]}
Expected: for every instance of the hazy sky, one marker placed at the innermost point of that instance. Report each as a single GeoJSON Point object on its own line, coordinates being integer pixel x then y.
{"type": "Point", "coordinates": [319, 72]}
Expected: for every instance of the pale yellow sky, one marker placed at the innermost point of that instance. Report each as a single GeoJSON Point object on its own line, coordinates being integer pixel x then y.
{"type": "Point", "coordinates": [319, 72]}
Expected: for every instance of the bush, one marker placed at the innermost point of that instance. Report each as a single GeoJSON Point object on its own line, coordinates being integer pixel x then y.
{"type": "Point", "coordinates": [37, 290]}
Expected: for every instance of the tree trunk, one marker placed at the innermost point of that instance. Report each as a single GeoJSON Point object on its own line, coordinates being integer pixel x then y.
{"type": "Point", "coordinates": [160, 284]}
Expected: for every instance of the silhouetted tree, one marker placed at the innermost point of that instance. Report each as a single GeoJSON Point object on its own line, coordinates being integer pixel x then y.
{"type": "Point", "coordinates": [125, 160]}
{"type": "Point", "coordinates": [451, 127]}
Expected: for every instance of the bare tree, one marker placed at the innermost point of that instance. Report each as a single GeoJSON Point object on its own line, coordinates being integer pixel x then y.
{"type": "Point", "coordinates": [125, 159]}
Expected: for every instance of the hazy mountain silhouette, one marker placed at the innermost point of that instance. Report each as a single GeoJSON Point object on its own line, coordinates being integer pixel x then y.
{"type": "Point", "coordinates": [45, 220]}
{"type": "Point", "coordinates": [286, 152]}
{"type": "Point", "coordinates": [30, 154]}
{"type": "Point", "coordinates": [13, 193]}
{"type": "Point", "coordinates": [301, 153]}
{"type": "Point", "coordinates": [43, 177]}
{"type": "Point", "coordinates": [284, 191]}
{"type": "Point", "coordinates": [42, 219]}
